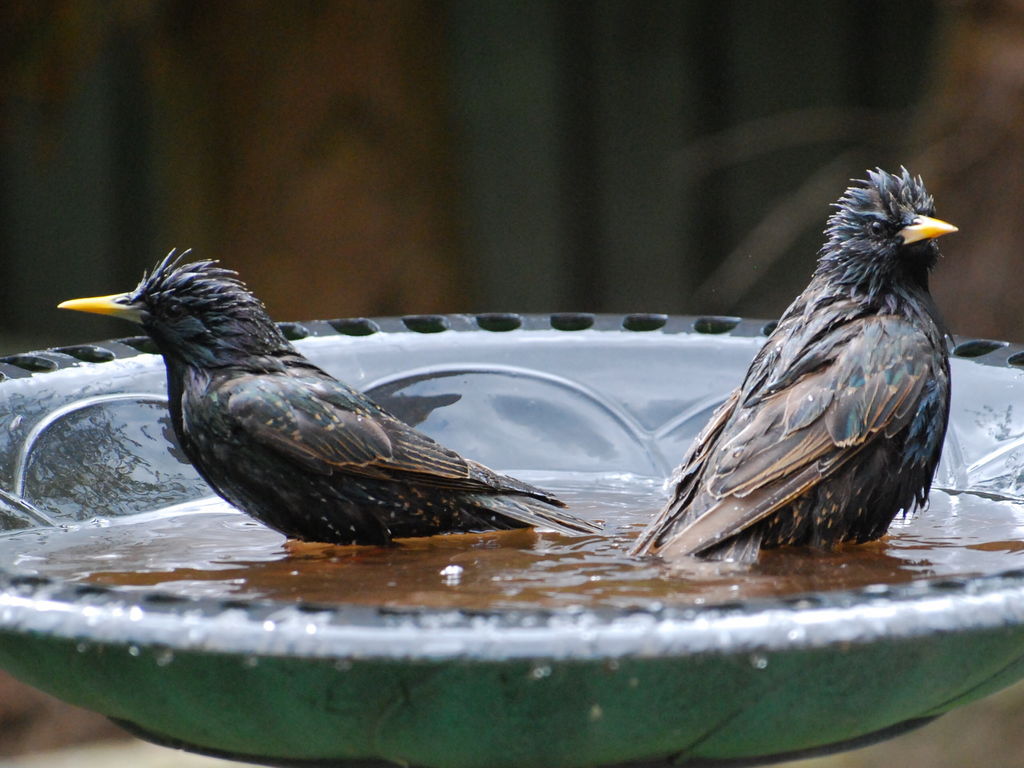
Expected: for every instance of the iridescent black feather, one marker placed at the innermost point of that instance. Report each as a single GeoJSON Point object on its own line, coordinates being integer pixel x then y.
{"type": "Point", "coordinates": [839, 423]}
{"type": "Point", "coordinates": [294, 447]}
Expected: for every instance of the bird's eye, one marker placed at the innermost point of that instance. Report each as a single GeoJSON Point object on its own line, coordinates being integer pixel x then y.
{"type": "Point", "coordinates": [877, 228]}
{"type": "Point", "coordinates": [174, 311]}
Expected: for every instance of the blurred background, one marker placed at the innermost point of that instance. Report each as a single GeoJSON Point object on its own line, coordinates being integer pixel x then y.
{"type": "Point", "coordinates": [405, 156]}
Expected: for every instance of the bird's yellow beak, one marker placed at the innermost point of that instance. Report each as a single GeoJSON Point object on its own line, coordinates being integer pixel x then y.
{"type": "Point", "coordinates": [926, 228]}
{"type": "Point", "coordinates": [118, 304]}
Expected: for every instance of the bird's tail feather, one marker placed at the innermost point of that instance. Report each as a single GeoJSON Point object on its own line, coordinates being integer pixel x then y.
{"type": "Point", "coordinates": [536, 513]}
{"type": "Point", "coordinates": [739, 549]}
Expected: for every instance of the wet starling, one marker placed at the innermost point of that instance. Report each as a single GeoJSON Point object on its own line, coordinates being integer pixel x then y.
{"type": "Point", "coordinates": [839, 422]}
{"type": "Point", "coordinates": [294, 447]}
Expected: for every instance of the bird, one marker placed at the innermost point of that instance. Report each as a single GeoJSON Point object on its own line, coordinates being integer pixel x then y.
{"type": "Point", "coordinates": [838, 424]}
{"type": "Point", "coordinates": [292, 446]}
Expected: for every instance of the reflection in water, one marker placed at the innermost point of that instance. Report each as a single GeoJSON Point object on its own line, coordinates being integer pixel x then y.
{"type": "Point", "coordinates": [110, 458]}
{"type": "Point", "coordinates": [215, 552]}
{"type": "Point", "coordinates": [412, 409]}
{"type": "Point", "coordinates": [521, 419]}
{"type": "Point", "coordinates": [593, 438]}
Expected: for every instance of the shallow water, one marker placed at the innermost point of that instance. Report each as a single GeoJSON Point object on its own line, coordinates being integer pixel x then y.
{"type": "Point", "coordinates": [207, 549]}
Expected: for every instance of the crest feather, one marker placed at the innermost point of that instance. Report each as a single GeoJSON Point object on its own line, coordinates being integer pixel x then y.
{"type": "Point", "coordinates": [892, 198]}
{"type": "Point", "coordinates": [204, 278]}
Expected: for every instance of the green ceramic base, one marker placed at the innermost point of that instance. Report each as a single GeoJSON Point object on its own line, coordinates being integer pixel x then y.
{"type": "Point", "coordinates": [557, 713]}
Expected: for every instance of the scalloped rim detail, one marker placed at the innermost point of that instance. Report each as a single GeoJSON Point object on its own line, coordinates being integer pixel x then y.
{"type": "Point", "coordinates": [1000, 353]}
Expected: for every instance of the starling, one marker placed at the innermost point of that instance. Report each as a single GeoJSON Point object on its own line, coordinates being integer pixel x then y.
{"type": "Point", "coordinates": [839, 422]}
{"type": "Point", "coordinates": [292, 446]}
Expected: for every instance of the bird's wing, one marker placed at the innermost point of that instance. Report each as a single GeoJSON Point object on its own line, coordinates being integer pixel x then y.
{"type": "Point", "coordinates": [286, 415]}
{"type": "Point", "coordinates": [686, 478]}
{"type": "Point", "coordinates": [866, 383]}
{"type": "Point", "coordinates": [329, 427]}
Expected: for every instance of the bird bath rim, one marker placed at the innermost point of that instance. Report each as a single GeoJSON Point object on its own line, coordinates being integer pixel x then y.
{"type": "Point", "coordinates": [44, 605]}
{"type": "Point", "coordinates": [272, 627]}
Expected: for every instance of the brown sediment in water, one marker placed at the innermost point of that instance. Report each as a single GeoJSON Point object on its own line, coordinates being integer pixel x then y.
{"type": "Point", "coordinates": [998, 546]}
{"type": "Point", "coordinates": [492, 570]}
{"type": "Point", "coordinates": [224, 554]}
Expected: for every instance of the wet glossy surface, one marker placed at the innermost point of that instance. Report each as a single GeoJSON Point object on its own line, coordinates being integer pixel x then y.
{"type": "Point", "coordinates": [209, 550]}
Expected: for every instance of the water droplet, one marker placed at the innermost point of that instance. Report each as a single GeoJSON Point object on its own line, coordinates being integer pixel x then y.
{"type": "Point", "coordinates": [269, 626]}
{"type": "Point", "coordinates": [133, 650]}
{"type": "Point", "coordinates": [758, 661]}
{"type": "Point", "coordinates": [596, 713]}
{"type": "Point", "coordinates": [82, 647]}
{"type": "Point", "coordinates": [540, 672]}
{"type": "Point", "coordinates": [451, 574]}
{"type": "Point", "coordinates": [164, 657]}
{"type": "Point", "coordinates": [135, 613]}
{"type": "Point", "coordinates": [251, 661]}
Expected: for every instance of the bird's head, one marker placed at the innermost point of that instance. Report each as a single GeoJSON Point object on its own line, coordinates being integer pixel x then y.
{"type": "Point", "coordinates": [882, 235]}
{"type": "Point", "coordinates": [198, 313]}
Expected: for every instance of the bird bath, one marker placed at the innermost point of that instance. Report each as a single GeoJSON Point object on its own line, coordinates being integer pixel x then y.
{"type": "Point", "coordinates": [127, 589]}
